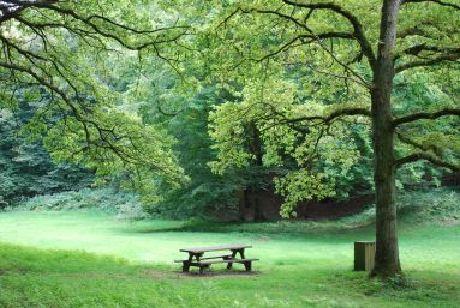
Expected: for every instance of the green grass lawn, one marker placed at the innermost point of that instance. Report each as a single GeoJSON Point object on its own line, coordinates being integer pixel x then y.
{"type": "Point", "coordinates": [88, 258]}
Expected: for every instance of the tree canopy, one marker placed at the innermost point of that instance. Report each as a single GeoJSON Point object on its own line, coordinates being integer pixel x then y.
{"type": "Point", "coordinates": [61, 55]}
{"type": "Point", "coordinates": [309, 74]}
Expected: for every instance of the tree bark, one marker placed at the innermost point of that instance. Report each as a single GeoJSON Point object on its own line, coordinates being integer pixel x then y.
{"type": "Point", "coordinates": [387, 251]}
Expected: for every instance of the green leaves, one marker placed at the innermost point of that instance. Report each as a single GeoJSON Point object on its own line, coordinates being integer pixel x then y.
{"type": "Point", "coordinates": [26, 168]}
{"type": "Point", "coordinates": [293, 65]}
{"type": "Point", "coordinates": [115, 80]}
{"type": "Point", "coordinates": [118, 145]}
{"type": "Point", "coordinates": [302, 185]}
{"type": "Point", "coordinates": [318, 155]}
{"type": "Point", "coordinates": [66, 56]}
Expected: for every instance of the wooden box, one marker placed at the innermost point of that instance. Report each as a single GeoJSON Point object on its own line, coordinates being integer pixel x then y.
{"type": "Point", "coordinates": [364, 256]}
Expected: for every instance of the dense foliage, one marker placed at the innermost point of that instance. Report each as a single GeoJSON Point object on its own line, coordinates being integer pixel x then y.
{"type": "Point", "coordinates": [307, 72]}
{"type": "Point", "coordinates": [292, 88]}
{"type": "Point", "coordinates": [26, 168]}
{"type": "Point", "coordinates": [63, 54]}
{"type": "Point", "coordinates": [237, 106]}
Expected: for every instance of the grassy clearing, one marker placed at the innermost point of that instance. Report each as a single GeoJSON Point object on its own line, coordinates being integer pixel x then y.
{"type": "Point", "coordinates": [296, 270]}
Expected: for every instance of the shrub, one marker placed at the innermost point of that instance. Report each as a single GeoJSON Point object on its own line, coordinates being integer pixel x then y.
{"type": "Point", "coordinates": [435, 204]}
{"type": "Point", "coordinates": [124, 205]}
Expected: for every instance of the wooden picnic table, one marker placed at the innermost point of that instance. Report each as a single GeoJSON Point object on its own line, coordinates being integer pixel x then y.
{"type": "Point", "coordinates": [196, 257]}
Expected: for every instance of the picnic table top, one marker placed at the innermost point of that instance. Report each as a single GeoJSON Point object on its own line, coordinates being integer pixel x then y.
{"type": "Point", "coordinates": [214, 248]}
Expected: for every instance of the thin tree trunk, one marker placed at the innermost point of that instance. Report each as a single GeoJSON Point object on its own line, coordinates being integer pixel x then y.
{"type": "Point", "coordinates": [387, 254]}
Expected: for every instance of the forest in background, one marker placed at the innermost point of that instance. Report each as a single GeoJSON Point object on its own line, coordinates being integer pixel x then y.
{"type": "Point", "coordinates": [226, 157]}
{"type": "Point", "coordinates": [28, 170]}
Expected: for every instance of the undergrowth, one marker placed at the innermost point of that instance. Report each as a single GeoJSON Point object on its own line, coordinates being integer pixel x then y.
{"type": "Point", "coordinates": [124, 205]}
{"type": "Point", "coordinates": [439, 205]}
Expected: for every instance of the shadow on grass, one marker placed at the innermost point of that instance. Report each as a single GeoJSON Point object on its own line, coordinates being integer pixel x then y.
{"type": "Point", "coordinates": [282, 228]}
{"type": "Point", "coordinates": [219, 273]}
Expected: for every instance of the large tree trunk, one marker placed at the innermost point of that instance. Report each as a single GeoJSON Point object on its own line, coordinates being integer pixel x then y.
{"type": "Point", "coordinates": [387, 254]}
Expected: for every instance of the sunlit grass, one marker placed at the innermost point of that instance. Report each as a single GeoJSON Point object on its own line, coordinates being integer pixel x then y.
{"type": "Point", "coordinates": [312, 268]}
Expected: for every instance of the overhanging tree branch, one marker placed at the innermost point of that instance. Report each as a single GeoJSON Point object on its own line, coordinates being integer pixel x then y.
{"type": "Point", "coordinates": [11, 8]}
{"type": "Point", "coordinates": [439, 2]}
{"type": "Point", "coordinates": [426, 116]}
{"type": "Point", "coordinates": [30, 57]}
{"type": "Point", "coordinates": [414, 31]}
{"type": "Point", "coordinates": [90, 24]}
{"type": "Point", "coordinates": [306, 39]}
{"type": "Point", "coordinates": [327, 119]}
{"type": "Point", "coordinates": [107, 137]}
{"type": "Point", "coordinates": [358, 31]}
{"type": "Point", "coordinates": [435, 156]}
{"type": "Point", "coordinates": [309, 36]}
{"type": "Point", "coordinates": [416, 50]}
{"type": "Point", "coordinates": [427, 157]}
{"type": "Point", "coordinates": [441, 58]}
{"type": "Point", "coordinates": [424, 147]}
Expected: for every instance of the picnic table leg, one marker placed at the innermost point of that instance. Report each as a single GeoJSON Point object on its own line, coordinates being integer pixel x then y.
{"type": "Point", "coordinates": [230, 265]}
{"type": "Point", "coordinates": [186, 266]}
{"type": "Point", "coordinates": [241, 253]}
{"type": "Point", "coordinates": [247, 266]}
{"type": "Point", "coordinates": [186, 263]}
{"type": "Point", "coordinates": [202, 268]}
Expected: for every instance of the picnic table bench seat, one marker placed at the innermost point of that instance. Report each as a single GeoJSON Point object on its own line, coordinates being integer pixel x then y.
{"type": "Point", "coordinates": [214, 248]}
{"type": "Point", "coordinates": [224, 261]}
{"type": "Point", "coordinates": [226, 256]}
{"type": "Point", "coordinates": [196, 257]}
